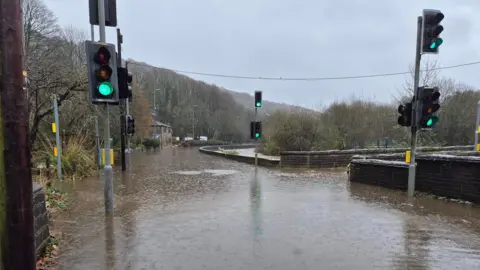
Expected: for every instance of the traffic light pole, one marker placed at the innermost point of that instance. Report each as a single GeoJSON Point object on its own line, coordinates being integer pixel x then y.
{"type": "Point", "coordinates": [57, 138]}
{"type": "Point", "coordinates": [256, 154]}
{"type": "Point", "coordinates": [477, 125]}
{"type": "Point", "coordinates": [107, 169]}
{"type": "Point", "coordinates": [416, 82]}
{"type": "Point", "coordinates": [97, 131]}
{"type": "Point", "coordinates": [122, 106]}
{"type": "Point", "coordinates": [127, 109]}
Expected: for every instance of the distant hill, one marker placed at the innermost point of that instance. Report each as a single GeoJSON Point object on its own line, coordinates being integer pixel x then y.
{"type": "Point", "coordinates": [244, 99]}
{"type": "Point", "coordinates": [188, 104]}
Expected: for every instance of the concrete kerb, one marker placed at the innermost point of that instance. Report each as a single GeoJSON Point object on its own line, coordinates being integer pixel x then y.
{"type": "Point", "coordinates": [213, 150]}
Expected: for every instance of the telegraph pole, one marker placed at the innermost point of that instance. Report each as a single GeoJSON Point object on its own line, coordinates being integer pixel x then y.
{"type": "Point", "coordinates": [122, 105]}
{"type": "Point", "coordinates": [16, 220]}
{"type": "Point", "coordinates": [416, 82]}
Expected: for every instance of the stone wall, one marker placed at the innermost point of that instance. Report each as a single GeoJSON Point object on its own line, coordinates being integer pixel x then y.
{"type": "Point", "coordinates": [340, 158]}
{"type": "Point", "coordinates": [451, 176]}
{"type": "Point", "coordinates": [212, 150]}
{"type": "Point", "coordinates": [40, 217]}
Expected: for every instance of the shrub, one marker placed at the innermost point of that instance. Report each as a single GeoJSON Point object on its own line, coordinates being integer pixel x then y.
{"type": "Point", "coordinates": [77, 159]}
{"type": "Point", "coordinates": [78, 156]}
{"type": "Point", "coordinates": [150, 143]}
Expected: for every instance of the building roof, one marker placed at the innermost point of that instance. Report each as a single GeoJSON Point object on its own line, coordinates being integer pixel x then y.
{"type": "Point", "coordinates": [159, 124]}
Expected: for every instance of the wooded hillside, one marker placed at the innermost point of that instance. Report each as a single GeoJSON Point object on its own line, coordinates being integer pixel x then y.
{"type": "Point", "coordinates": [183, 102]}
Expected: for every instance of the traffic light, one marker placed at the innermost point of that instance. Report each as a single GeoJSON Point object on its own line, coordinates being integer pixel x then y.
{"type": "Point", "coordinates": [258, 99]}
{"type": "Point", "coordinates": [258, 130]}
{"type": "Point", "coordinates": [431, 30]}
{"type": "Point", "coordinates": [255, 130]}
{"type": "Point", "coordinates": [428, 98]}
{"type": "Point", "coordinates": [405, 111]}
{"type": "Point", "coordinates": [102, 73]}
{"type": "Point", "coordinates": [110, 12]}
{"type": "Point", "coordinates": [130, 125]}
{"type": "Point", "coordinates": [252, 130]}
{"type": "Point", "coordinates": [125, 79]}
{"type": "Point", "coordinates": [129, 85]}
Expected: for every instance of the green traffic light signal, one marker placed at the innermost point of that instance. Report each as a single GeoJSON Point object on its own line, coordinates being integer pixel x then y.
{"type": "Point", "coordinates": [432, 121]}
{"type": "Point", "coordinates": [105, 89]}
{"type": "Point", "coordinates": [436, 43]}
{"type": "Point", "coordinates": [257, 135]}
{"type": "Point", "coordinates": [259, 104]}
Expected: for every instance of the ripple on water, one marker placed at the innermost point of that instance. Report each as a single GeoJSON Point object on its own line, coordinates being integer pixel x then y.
{"type": "Point", "coordinates": [221, 172]}
{"type": "Point", "coordinates": [188, 172]}
{"type": "Point", "coordinates": [212, 172]}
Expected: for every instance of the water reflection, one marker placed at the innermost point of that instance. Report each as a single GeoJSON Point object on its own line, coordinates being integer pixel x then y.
{"type": "Point", "coordinates": [110, 251]}
{"type": "Point", "coordinates": [460, 214]}
{"type": "Point", "coordinates": [127, 184]}
{"type": "Point", "coordinates": [416, 246]}
{"type": "Point", "coordinates": [435, 233]}
{"type": "Point", "coordinates": [256, 202]}
{"type": "Point", "coordinates": [126, 211]}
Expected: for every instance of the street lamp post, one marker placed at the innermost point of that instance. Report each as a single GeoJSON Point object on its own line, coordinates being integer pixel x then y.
{"type": "Point", "coordinates": [155, 100]}
{"type": "Point", "coordinates": [193, 121]}
{"type": "Point", "coordinates": [155, 110]}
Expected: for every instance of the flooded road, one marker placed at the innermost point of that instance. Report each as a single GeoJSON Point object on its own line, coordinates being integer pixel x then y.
{"type": "Point", "coordinates": [181, 209]}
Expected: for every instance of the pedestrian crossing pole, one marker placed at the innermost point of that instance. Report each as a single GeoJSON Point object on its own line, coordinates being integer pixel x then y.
{"type": "Point", "coordinates": [256, 154]}
{"type": "Point", "coordinates": [56, 129]}
{"type": "Point", "coordinates": [476, 146]}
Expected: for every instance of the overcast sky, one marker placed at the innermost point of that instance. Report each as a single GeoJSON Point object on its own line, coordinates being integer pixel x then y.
{"type": "Point", "coordinates": [287, 38]}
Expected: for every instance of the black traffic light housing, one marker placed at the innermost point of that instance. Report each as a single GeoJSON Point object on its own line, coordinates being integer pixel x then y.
{"type": "Point", "coordinates": [255, 130]}
{"type": "Point", "coordinates": [102, 73]}
{"type": "Point", "coordinates": [405, 111]}
{"type": "Point", "coordinates": [129, 85]}
{"type": "Point", "coordinates": [431, 30]}
{"type": "Point", "coordinates": [125, 79]}
{"type": "Point", "coordinates": [110, 12]}
{"type": "Point", "coordinates": [258, 99]}
{"type": "Point", "coordinates": [428, 98]}
{"type": "Point", "coordinates": [129, 125]}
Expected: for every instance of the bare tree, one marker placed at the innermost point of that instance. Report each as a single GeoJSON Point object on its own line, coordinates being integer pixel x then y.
{"type": "Point", "coordinates": [428, 75]}
{"type": "Point", "coordinates": [39, 24]}
{"type": "Point", "coordinates": [56, 69]}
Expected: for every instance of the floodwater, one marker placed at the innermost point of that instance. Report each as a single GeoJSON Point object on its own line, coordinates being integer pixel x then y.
{"type": "Point", "coordinates": [180, 209]}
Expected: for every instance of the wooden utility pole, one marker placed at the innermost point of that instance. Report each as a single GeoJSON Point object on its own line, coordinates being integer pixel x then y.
{"type": "Point", "coordinates": [16, 216]}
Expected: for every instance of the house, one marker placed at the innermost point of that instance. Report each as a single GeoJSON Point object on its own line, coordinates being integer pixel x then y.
{"type": "Point", "coordinates": [162, 131]}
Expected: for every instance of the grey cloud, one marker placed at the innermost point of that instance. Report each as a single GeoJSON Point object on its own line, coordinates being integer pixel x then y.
{"type": "Point", "coordinates": [290, 39]}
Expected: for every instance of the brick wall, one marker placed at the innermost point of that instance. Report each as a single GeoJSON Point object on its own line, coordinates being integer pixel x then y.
{"type": "Point", "coordinates": [40, 216]}
{"type": "Point", "coordinates": [339, 158]}
{"type": "Point", "coordinates": [450, 176]}
{"type": "Point", "coordinates": [388, 174]}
